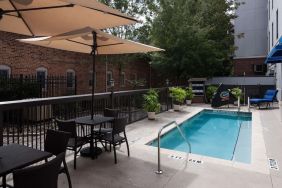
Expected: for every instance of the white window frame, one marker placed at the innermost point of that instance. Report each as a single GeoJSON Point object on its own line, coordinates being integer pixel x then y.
{"type": "Point", "coordinates": [73, 79]}
{"type": "Point", "coordinates": [6, 68]}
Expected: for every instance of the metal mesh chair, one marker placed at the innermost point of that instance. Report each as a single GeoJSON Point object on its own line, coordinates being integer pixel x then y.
{"type": "Point", "coordinates": [75, 142]}
{"type": "Point", "coordinates": [114, 138]}
{"type": "Point", "coordinates": [43, 176]}
{"type": "Point", "coordinates": [56, 143]}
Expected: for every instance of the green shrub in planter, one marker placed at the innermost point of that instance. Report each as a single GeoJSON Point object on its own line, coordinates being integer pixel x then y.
{"type": "Point", "coordinates": [211, 90]}
{"type": "Point", "coordinates": [237, 92]}
{"type": "Point", "coordinates": [151, 101]}
{"type": "Point", "coordinates": [178, 95]}
{"type": "Point", "coordinates": [189, 93]}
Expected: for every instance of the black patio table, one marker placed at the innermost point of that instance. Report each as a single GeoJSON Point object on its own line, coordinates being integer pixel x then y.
{"type": "Point", "coordinates": [97, 120]}
{"type": "Point", "coordinates": [15, 156]}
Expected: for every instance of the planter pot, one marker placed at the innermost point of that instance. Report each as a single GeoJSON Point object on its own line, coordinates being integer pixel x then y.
{"type": "Point", "coordinates": [188, 102]}
{"type": "Point", "coordinates": [151, 115]}
{"type": "Point", "coordinates": [176, 107]}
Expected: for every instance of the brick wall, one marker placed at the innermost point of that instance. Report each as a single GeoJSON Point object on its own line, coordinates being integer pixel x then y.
{"type": "Point", "coordinates": [25, 59]}
{"type": "Point", "coordinates": [247, 65]}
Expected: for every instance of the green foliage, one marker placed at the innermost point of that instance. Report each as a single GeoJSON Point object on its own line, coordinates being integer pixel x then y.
{"type": "Point", "coordinates": [211, 90]}
{"type": "Point", "coordinates": [178, 94]}
{"type": "Point", "coordinates": [151, 101]}
{"type": "Point", "coordinates": [16, 89]}
{"type": "Point", "coordinates": [189, 93]}
{"type": "Point", "coordinates": [197, 35]}
{"type": "Point", "coordinates": [237, 92]}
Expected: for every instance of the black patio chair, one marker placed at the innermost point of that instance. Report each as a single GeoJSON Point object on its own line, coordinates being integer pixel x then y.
{"type": "Point", "coordinates": [43, 176]}
{"type": "Point", "coordinates": [75, 142]}
{"type": "Point", "coordinates": [114, 138]}
{"type": "Point", "coordinates": [107, 128]}
{"type": "Point", "coordinates": [56, 143]}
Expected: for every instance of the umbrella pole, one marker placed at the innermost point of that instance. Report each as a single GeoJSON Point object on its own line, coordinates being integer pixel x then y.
{"type": "Point", "coordinates": [93, 53]}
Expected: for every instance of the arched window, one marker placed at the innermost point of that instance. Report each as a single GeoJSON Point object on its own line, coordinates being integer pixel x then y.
{"type": "Point", "coordinates": [41, 75]}
{"type": "Point", "coordinates": [109, 78]}
{"type": "Point", "coordinates": [5, 71]}
{"type": "Point", "coordinates": [91, 79]}
{"type": "Point", "coordinates": [122, 79]}
{"type": "Point", "coordinates": [70, 78]}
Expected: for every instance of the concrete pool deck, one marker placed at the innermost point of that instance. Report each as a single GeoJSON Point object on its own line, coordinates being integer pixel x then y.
{"type": "Point", "coordinates": [138, 170]}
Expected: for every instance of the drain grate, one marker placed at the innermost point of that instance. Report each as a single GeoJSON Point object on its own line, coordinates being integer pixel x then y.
{"type": "Point", "coordinates": [273, 164]}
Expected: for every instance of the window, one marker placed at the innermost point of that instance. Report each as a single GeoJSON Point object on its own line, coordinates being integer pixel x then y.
{"type": "Point", "coordinates": [269, 10]}
{"type": "Point", "coordinates": [109, 77]}
{"type": "Point", "coordinates": [5, 71]}
{"type": "Point", "coordinates": [272, 38]}
{"type": "Point", "coordinates": [70, 78]}
{"type": "Point", "coordinates": [90, 83]}
{"type": "Point", "coordinates": [269, 45]}
{"type": "Point", "coordinates": [258, 68]}
{"type": "Point", "coordinates": [277, 24]}
{"type": "Point", "coordinates": [41, 75]}
{"type": "Point", "coordinates": [122, 79]}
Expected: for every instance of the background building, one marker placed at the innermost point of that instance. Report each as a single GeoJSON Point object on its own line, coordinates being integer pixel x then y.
{"type": "Point", "coordinates": [250, 38]}
{"type": "Point", "coordinates": [274, 33]}
{"type": "Point", "coordinates": [23, 59]}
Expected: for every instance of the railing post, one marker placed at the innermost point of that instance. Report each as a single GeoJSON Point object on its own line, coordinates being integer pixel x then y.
{"type": "Point", "coordinates": [167, 98]}
{"type": "Point", "coordinates": [129, 113]}
{"type": "Point", "coordinates": [1, 127]}
{"type": "Point", "coordinates": [75, 85]}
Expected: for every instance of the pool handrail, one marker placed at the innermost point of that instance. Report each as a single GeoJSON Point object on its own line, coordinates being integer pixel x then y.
{"type": "Point", "coordinates": [159, 171]}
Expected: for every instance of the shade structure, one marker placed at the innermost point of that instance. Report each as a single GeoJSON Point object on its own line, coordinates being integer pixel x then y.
{"type": "Point", "coordinates": [82, 41]}
{"type": "Point", "coordinates": [91, 41]}
{"type": "Point", "coordinates": [275, 55]}
{"type": "Point", "coordinates": [52, 17]}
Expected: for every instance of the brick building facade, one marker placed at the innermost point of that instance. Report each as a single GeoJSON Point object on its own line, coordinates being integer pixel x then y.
{"type": "Point", "coordinates": [249, 66]}
{"type": "Point", "coordinates": [26, 59]}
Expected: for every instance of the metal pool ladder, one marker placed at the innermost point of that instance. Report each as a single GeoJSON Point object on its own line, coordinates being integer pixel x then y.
{"type": "Point", "coordinates": [159, 171]}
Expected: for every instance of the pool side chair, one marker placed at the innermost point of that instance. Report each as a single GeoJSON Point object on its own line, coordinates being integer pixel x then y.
{"type": "Point", "coordinates": [269, 97]}
{"type": "Point", "coordinates": [43, 176]}
{"type": "Point", "coordinates": [75, 142]}
{"type": "Point", "coordinates": [115, 138]}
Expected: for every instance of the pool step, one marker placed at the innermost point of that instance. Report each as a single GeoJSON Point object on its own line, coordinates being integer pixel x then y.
{"type": "Point", "coordinates": [273, 164]}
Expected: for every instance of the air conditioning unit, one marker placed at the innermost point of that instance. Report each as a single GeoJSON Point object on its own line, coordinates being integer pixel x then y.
{"type": "Point", "coordinates": [258, 68]}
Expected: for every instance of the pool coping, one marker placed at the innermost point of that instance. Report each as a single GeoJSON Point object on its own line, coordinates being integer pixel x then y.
{"type": "Point", "coordinates": [258, 154]}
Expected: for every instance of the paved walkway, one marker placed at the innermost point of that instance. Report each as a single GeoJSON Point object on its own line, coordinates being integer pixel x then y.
{"type": "Point", "coordinates": [138, 170]}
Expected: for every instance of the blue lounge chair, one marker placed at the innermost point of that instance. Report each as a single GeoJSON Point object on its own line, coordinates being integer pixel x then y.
{"type": "Point", "coordinates": [269, 97]}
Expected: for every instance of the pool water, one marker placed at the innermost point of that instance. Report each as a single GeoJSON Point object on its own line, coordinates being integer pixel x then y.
{"type": "Point", "coordinates": [220, 134]}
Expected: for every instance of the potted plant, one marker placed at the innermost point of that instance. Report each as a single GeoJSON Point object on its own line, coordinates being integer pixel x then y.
{"type": "Point", "coordinates": [189, 95]}
{"type": "Point", "coordinates": [151, 103]}
{"type": "Point", "coordinates": [237, 93]}
{"type": "Point", "coordinates": [178, 96]}
{"type": "Point", "coordinates": [211, 90]}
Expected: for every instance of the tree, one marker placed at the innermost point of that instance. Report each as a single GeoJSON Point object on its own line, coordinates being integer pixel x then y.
{"type": "Point", "coordinates": [142, 10]}
{"type": "Point", "coordinates": [197, 36]}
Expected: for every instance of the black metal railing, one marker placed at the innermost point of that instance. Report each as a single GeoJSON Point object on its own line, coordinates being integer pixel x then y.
{"type": "Point", "coordinates": [17, 87]}
{"type": "Point", "coordinates": [26, 121]}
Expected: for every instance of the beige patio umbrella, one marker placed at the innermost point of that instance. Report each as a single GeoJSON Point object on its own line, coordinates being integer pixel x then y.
{"type": "Point", "coordinates": [52, 17]}
{"type": "Point", "coordinates": [91, 41]}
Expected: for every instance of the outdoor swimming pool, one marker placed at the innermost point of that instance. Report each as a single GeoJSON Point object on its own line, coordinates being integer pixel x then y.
{"type": "Point", "coordinates": [221, 134]}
